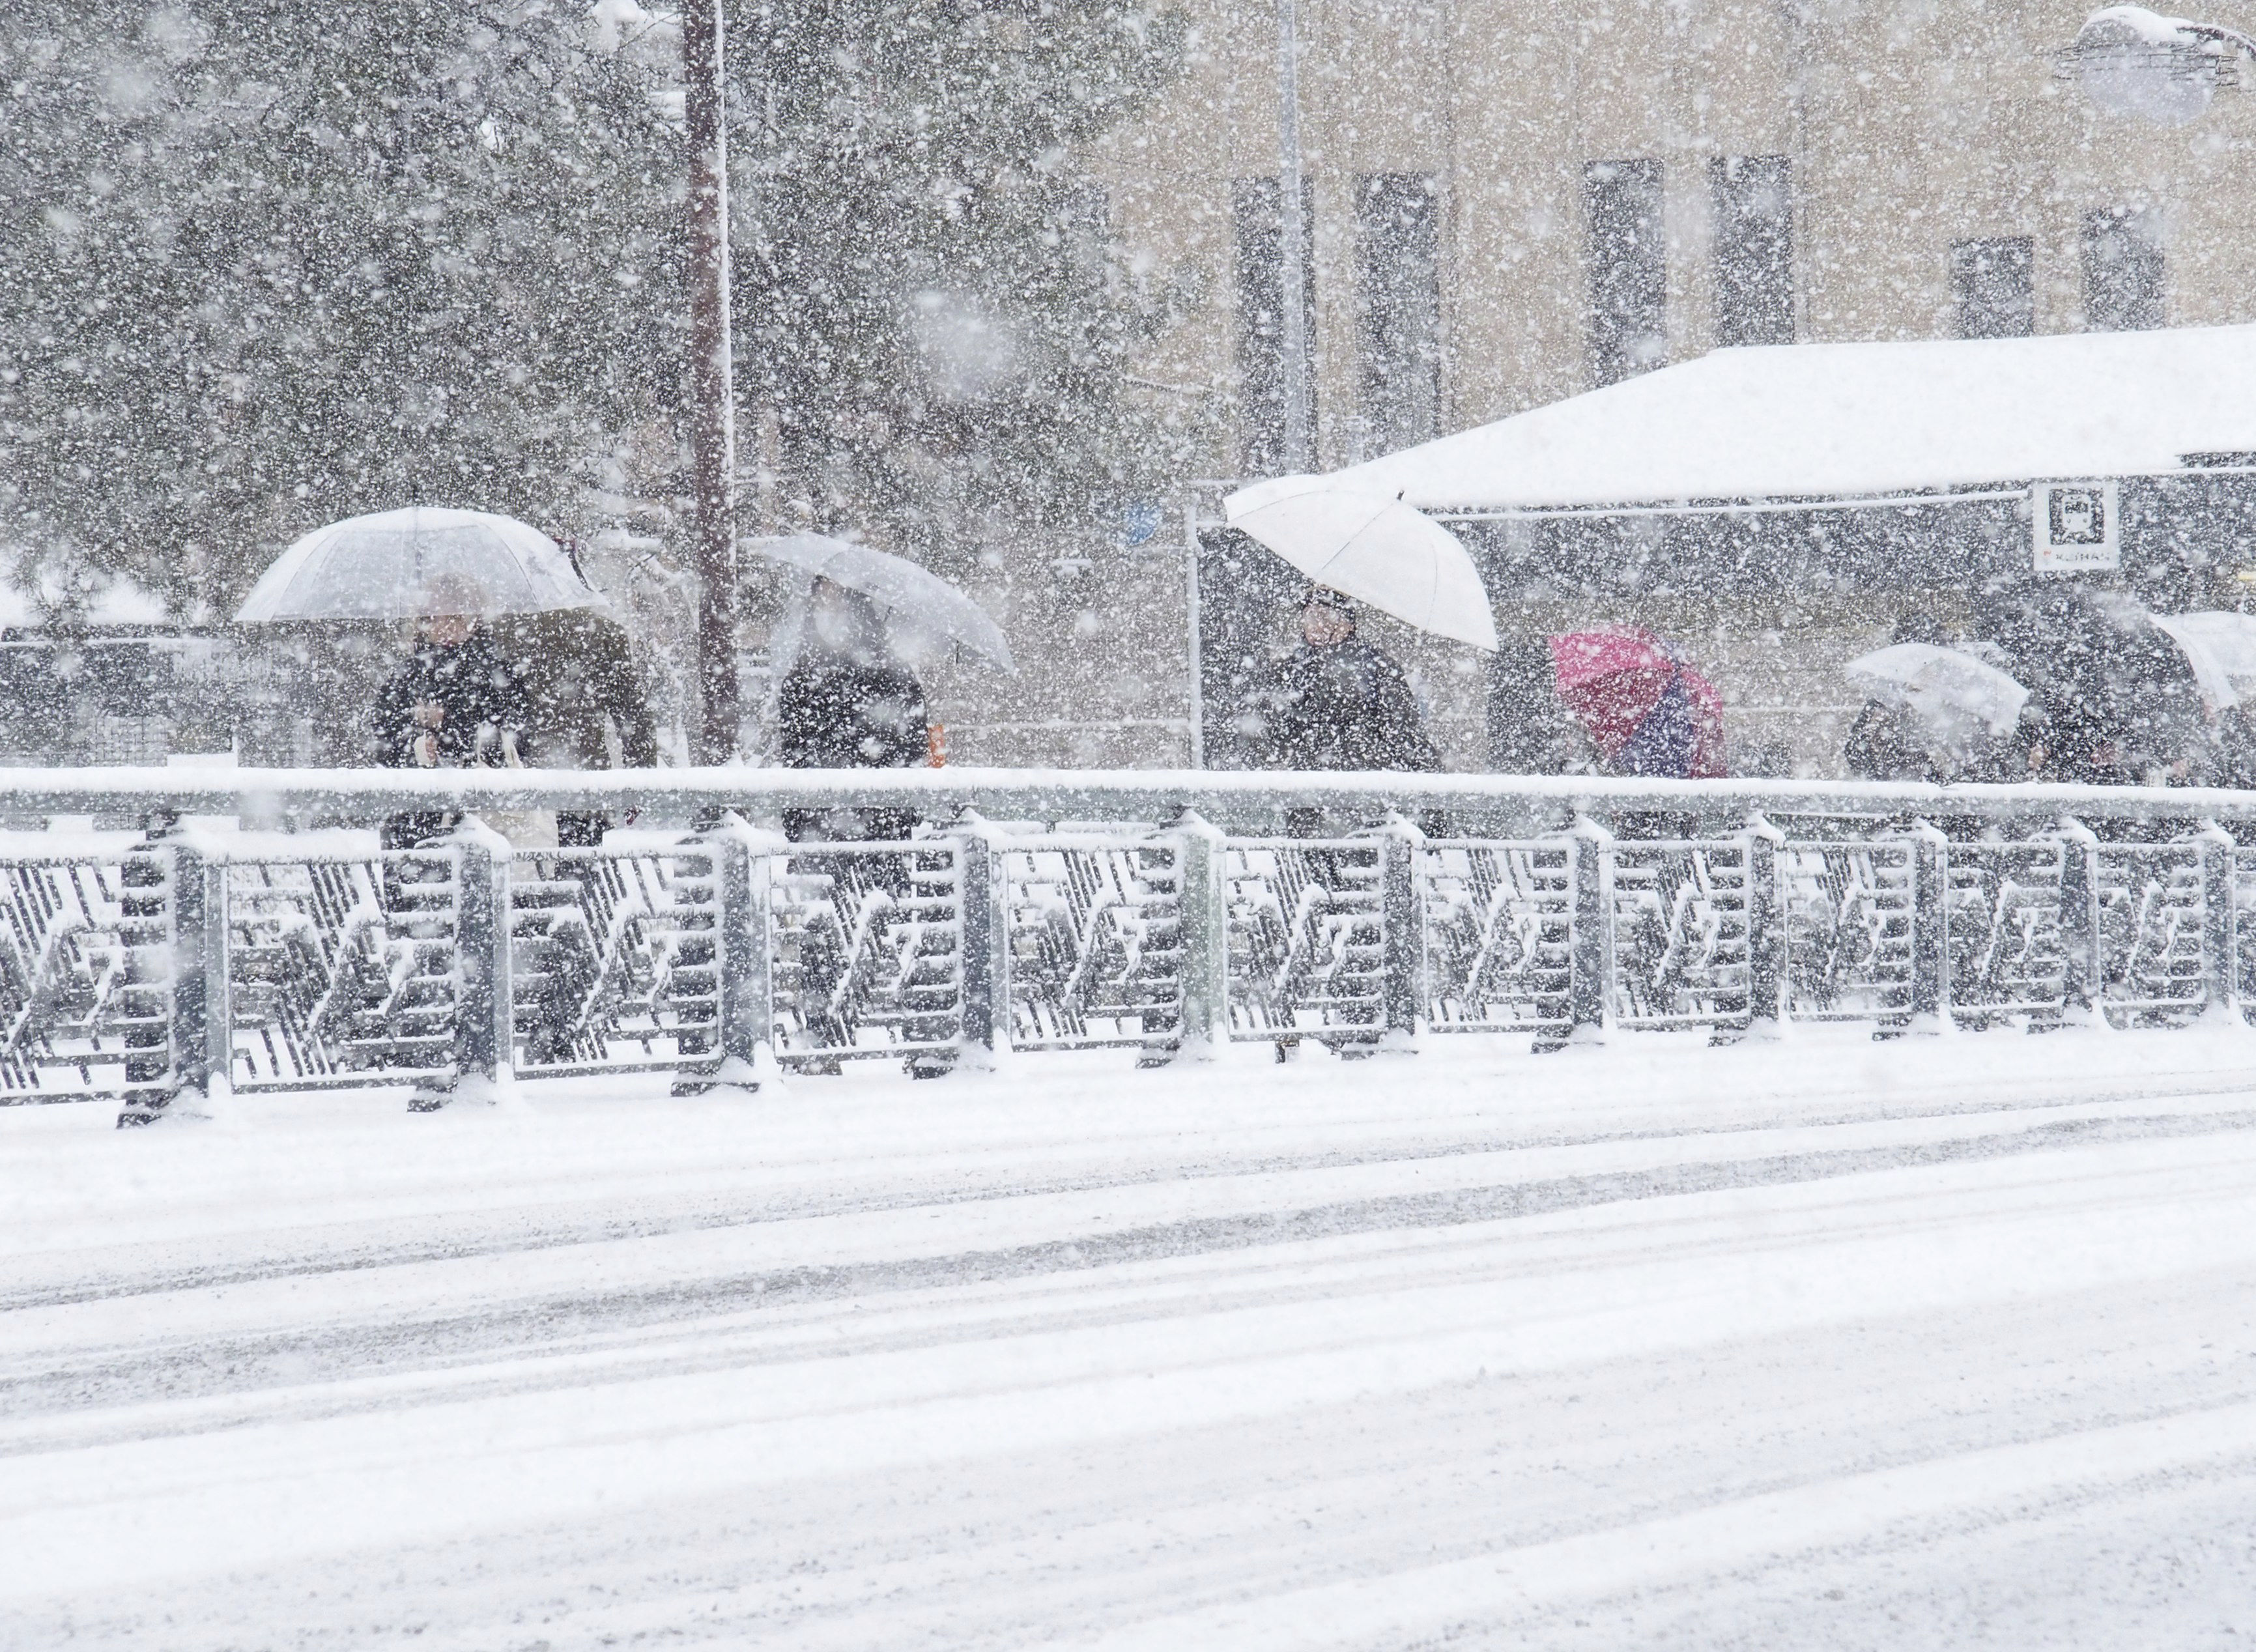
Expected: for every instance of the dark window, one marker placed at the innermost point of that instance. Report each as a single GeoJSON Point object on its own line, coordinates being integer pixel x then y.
{"type": "Point", "coordinates": [1753, 197]}
{"type": "Point", "coordinates": [1399, 310]}
{"type": "Point", "coordinates": [1629, 268]}
{"type": "Point", "coordinates": [1993, 287]}
{"type": "Point", "coordinates": [1255, 207]}
{"type": "Point", "coordinates": [2122, 270]}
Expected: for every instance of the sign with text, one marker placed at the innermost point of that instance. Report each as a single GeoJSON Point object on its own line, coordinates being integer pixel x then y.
{"type": "Point", "coordinates": [2076, 526]}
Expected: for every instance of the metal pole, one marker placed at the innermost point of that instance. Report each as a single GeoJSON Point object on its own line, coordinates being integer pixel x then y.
{"type": "Point", "coordinates": [1193, 619]}
{"type": "Point", "coordinates": [713, 414]}
{"type": "Point", "coordinates": [1293, 317]}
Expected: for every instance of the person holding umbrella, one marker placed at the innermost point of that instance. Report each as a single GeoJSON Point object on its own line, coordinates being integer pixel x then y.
{"type": "Point", "coordinates": [847, 701]}
{"type": "Point", "coordinates": [453, 702]}
{"type": "Point", "coordinates": [1647, 711]}
{"type": "Point", "coordinates": [1336, 701]}
{"type": "Point", "coordinates": [450, 574]}
{"type": "Point", "coordinates": [847, 652]}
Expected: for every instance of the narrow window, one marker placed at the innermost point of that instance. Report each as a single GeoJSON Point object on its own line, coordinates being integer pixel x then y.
{"type": "Point", "coordinates": [1399, 310]}
{"type": "Point", "coordinates": [1993, 287]}
{"type": "Point", "coordinates": [2122, 270]}
{"type": "Point", "coordinates": [1255, 204]}
{"type": "Point", "coordinates": [1629, 268]}
{"type": "Point", "coordinates": [1753, 199]}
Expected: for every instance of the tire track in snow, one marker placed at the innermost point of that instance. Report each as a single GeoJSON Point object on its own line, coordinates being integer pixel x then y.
{"type": "Point", "coordinates": [826, 1193]}
{"type": "Point", "coordinates": [187, 1369]}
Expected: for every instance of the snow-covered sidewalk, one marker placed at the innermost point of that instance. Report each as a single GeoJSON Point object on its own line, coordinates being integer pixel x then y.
{"type": "Point", "coordinates": [1902, 1344]}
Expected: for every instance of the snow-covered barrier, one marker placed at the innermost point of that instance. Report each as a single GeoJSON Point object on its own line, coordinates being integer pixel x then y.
{"type": "Point", "coordinates": [219, 949]}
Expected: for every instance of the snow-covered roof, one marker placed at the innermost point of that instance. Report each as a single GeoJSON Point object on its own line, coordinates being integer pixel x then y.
{"type": "Point", "coordinates": [1828, 421]}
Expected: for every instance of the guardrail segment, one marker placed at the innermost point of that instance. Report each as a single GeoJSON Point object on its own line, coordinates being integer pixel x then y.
{"type": "Point", "coordinates": [142, 970]}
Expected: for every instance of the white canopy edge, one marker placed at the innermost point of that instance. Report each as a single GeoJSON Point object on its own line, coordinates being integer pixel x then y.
{"type": "Point", "coordinates": [1853, 421]}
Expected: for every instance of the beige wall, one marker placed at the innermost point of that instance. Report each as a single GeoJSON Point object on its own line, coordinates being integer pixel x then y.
{"type": "Point", "coordinates": [1910, 125]}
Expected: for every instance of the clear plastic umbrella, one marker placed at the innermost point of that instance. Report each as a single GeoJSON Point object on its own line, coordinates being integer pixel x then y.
{"type": "Point", "coordinates": [920, 609]}
{"type": "Point", "coordinates": [1375, 549]}
{"type": "Point", "coordinates": [2221, 648]}
{"type": "Point", "coordinates": [1963, 699]}
{"type": "Point", "coordinates": [401, 564]}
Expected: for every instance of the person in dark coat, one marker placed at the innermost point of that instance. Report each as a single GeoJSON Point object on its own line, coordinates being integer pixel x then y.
{"type": "Point", "coordinates": [847, 702]}
{"type": "Point", "coordinates": [1530, 731]}
{"type": "Point", "coordinates": [584, 703]}
{"type": "Point", "coordinates": [1337, 702]}
{"type": "Point", "coordinates": [453, 702]}
{"type": "Point", "coordinates": [1889, 743]}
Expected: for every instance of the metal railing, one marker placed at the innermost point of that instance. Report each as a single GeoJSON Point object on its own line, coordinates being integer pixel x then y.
{"type": "Point", "coordinates": [252, 932]}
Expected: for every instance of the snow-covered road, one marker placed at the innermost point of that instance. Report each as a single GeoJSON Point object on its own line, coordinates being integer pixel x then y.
{"type": "Point", "coordinates": [1934, 1342]}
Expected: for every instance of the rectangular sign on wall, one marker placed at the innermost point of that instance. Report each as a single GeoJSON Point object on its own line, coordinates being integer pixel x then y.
{"type": "Point", "coordinates": [2074, 526]}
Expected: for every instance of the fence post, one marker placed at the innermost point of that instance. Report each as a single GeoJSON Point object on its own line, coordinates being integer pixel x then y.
{"type": "Point", "coordinates": [178, 1036]}
{"type": "Point", "coordinates": [1767, 1001]}
{"type": "Point", "coordinates": [2220, 941]}
{"type": "Point", "coordinates": [1930, 928]}
{"type": "Point", "coordinates": [742, 958]}
{"type": "Point", "coordinates": [1402, 928]}
{"type": "Point", "coordinates": [1590, 988]}
{"type": "Point", "coordinates": [485, 1016]}
{"type": "Point", "coordinates": [2084, 989]}
{"type": "Point", "coordinates": [983, 896]}
{"type": "Point", "coordinates": [1203, 905]}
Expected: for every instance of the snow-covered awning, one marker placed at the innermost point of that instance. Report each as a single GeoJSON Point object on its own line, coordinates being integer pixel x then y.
{"type": "Point", "coordinates": [1828, 421]}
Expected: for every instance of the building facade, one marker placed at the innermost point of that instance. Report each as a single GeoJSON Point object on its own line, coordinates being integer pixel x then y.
{"type": "Point", "coordinates": [1508, 202]}
{"type": "Point", "coordinates": [1511, 201]}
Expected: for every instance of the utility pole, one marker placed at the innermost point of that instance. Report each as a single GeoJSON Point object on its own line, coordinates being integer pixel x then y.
{"type": "Point", "coordinates": [712, 390]}
{"type": "Point", "coordinates": [1292, 231]}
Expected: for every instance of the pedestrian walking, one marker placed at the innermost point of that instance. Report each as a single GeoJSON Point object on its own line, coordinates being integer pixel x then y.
{"type": "Point", "coordinates": [1336, 701]}
{"type": "Point", "coordinates": [584, 703]}
{"type": "Point", "coordinates": [453, 702]}
{"type": "Point", "coordinates": [846, 702]}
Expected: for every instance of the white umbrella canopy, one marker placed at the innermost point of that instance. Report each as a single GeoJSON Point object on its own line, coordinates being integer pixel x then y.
{"type": "Point", "coordinates": [404, 564]}
{"type": "Point", "coordinates": [1962, 698]}
{"type": "Point", "coordinates": [920, 610]}
{"type": "Point", "coordinates": [2221, 648]}
{"type": "Point", "coordinates": [1374, 549]}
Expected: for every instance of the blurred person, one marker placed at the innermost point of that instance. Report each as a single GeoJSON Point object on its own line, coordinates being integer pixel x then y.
{"type": "Point", "coordinates": [584, 703]}
{"type": "Point", "coordinates": [1888, 740]}
{"type": "Point", "coordinates": [846, 702]}
{"type": "Point", "coordinates": [452, 701]}
{"type": "Point", "coordinates": [1530, 730]}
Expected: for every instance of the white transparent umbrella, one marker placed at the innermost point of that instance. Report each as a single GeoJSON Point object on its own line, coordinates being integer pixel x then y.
{"type": "Point", "coordinates": [1375, 549]}
{"type": "Point", "coordinates": [402, 564]}
{"type": "Point", "coordinates": [920, 610]}
{"type": "Point", "coordinates": [1961, 698]}
{"type": "Point", "coordinates": [2221, 648]}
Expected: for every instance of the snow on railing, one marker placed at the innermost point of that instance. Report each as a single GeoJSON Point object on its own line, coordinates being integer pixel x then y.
{"type": "Point", "coordinates": [254, 935]}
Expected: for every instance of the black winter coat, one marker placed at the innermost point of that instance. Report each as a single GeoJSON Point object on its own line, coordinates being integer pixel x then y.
{"type": "Point", "coordinates": [474, 686]}
{"type": "Point", "coordinates": [841, 714]}
{"type": "Point", "coordinates": [576, 670]}
{"type": "Point", "coordinates": [1346, 706]}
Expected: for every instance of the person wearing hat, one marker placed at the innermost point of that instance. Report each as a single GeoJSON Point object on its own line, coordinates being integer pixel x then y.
{"type": "Point", "coordinates": [1338, 703]}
